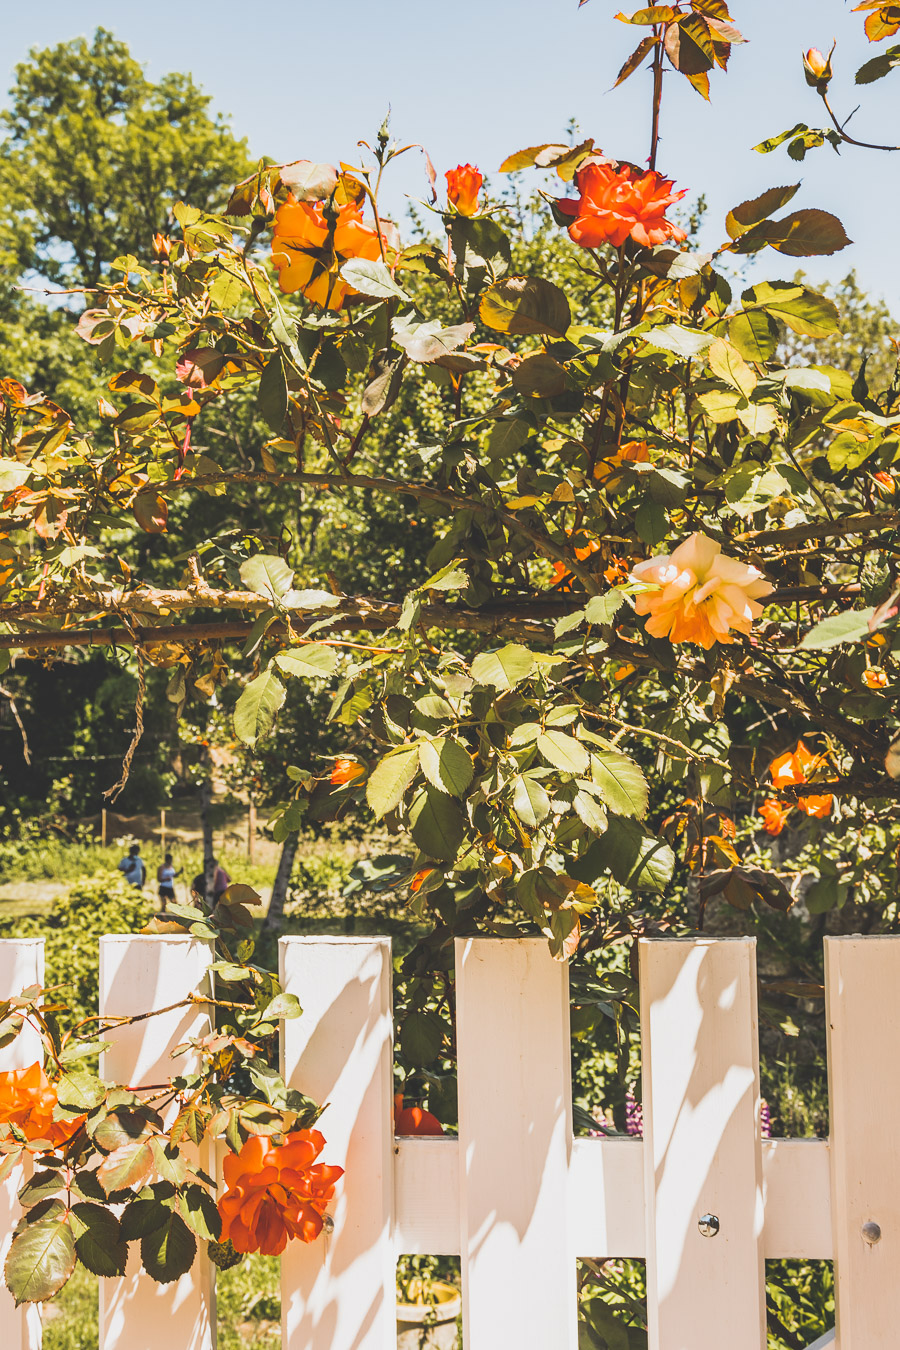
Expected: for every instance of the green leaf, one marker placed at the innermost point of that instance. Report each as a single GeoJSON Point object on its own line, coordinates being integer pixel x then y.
{"type": "Point", "coordinates": [436, 824]}
{"type": "Point", "coordinates": [447, 765]}
{"type": "Point", "coordinates": [372, 277]}
{"type": "Point", "coordinates": [847, 627]}
{"type": "Point", "coordinates": [281, 1006]}
{"type": "Point", "coordinates": [199, 1211]}
{"type": "Point", "coordinates": [766, 147]}
{"type": "Point", "coordinates": [758, 208]}
{"type": "Point", "coordinates": [530, 802]}
{"type": "Point", "coordinates": [80, 1090]}
{"type": "Point", "coordinates": [807, 233]}
{"type": "Point", "coordinates": [227, 291]}
{"type": "Point", "coordinates": [310, 599]}
{"type": "Point", "coordinates": [424, 342]}
{"type": "Point", "coordinates": [168, 1252]}
{"type": "Point", "coordinates": [590, 812]}
{"type": "Point", "coordinates": [40, 1260]}
{"type": "Point", "coordinates": [129, 1165]}
{"type": "Point", "coordinates": [878, 66]}
{"type": "Point", "coordinates": [40, 1186]}
{"type": "Point", "coordinates": [314, 660]}
{"type": "Point", "coordinates": [272, 394]}
{"type": "Point", "coordinates": [421, 1038]}
{"type": "Point", "coordinates": [602, 609]}
{"type": "Point", "coordinates": [620, 783]}
{"type": "Point", "coordinates": [685, 342]}
{"type": "Point", "coordinates": [755, 335]}
{"type": "Point", "coordinates": [800, 309]}
{"type": "Point", "coordinates": [390, 778]}
{"type": "Point", "coordinates": [144, 1215]}
{"type": "Point", "coordinates": [268, 575]}
{"type": "Point", "coordinates": [98, 1240]}
{"type": "Point", "coordinates": [507, 435]}
{"type": "Point", "coordinates": [563, 752]}
{"type": "Point", "coordinates": [505, 668]}
{"type": "Point", "coordinates": [524, 305]}
{"type": "Point", "coordinates": [637, 860]}
{"type": "Point", "coordinates": [256, 709]}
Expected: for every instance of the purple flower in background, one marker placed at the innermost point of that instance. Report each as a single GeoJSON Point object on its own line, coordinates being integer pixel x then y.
{"type": "Point", "coordinates": [765, 1120]}
{"type": "Point", "coordinates": [634, 1115]}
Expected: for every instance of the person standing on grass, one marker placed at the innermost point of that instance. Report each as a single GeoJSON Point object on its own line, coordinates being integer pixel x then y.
{"type": "Point", "coordinates": [165, 875]}
{"type": "Point", "coordinates": [133, 867]}
{"type": "Point", "coordinates": [221, 881]}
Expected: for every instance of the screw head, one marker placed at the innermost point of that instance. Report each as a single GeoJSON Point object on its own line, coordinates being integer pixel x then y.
{"type": "Point", "coordinates": [327, 1224]}
{"type": "Point", "coordinates": [708, 1225]}
{"type": "Point", "coordinates": [871, 1232]}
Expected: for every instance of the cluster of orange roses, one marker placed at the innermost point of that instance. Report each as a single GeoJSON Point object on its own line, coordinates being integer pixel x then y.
{"type": "Point", "coordinates": [795, 766]}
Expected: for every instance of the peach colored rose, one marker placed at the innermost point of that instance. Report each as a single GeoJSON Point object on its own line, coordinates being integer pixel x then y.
{"type": "Point", "coordinates": [699, 594]}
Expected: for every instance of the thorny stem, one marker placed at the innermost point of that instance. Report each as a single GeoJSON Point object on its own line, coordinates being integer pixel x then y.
{"type": "Point", "coordinates": [657, 95]}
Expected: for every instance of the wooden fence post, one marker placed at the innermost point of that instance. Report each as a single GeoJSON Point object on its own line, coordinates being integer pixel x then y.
{"type": "Point", "coordinates": [137, 974]}
{"type": "Point", "coordinates": [21, 965]}
{"type": "Point", "coordinates": [338, 1293]}
{"type": "Point", "coordinates": [702, 1147]}
{"type": "Point", "coordinates": [862, 1006]}
{"type": "Point", "coordinates": [515, 1142]}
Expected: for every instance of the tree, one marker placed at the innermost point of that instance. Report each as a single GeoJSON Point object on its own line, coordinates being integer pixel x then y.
{"type": "Point", "coordinates": [95, 155]}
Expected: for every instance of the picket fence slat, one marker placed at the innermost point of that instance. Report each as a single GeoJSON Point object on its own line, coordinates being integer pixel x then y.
{"type": "Point", "coordinates": [515, 1196]}
{"type": "Point", "coordinates": [338, 1293]}
{"type": "Point", "coordinates": [702, 1154]}
{"type": "Point", "coordinates": [21, 965]}
{"type": "Point", "coordinates": [138, 974]}
{"type": "Point", "coordinates": [862, 991]}
{"type": "Point", "coordinates": [515, 1138]}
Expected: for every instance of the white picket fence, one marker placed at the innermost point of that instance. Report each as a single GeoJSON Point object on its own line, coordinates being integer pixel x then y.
{"type": "Point", "coordinates": [515, 1195]}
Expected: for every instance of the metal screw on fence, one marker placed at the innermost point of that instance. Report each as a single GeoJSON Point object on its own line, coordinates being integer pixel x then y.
{"type": "Point", "coordinates": [708, 1225]}
{"type": "Point", "coordinates": [871, 1232]}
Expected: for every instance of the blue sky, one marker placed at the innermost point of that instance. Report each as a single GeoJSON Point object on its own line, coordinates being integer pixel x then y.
{"type": "Point", "coordinates": [477, 79]}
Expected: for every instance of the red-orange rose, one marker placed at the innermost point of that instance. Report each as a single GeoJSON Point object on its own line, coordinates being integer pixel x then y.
{"type": "Point", "coordinates": [276, 1192]}
{"type": "Point", "coordinates": [463, 186]}
{"type": "Point", "coordinates": [309, 250]}
{"type": "Point", "coordinates": [414, 1119]}
{"type": "Point", "coordinates": [774, 815]}
{"type": "Point", "coordinates": [621, 203]}
{"type": "Point", "coordinates": [346, 770]}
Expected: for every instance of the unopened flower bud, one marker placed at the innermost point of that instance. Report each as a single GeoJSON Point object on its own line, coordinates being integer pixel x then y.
{"type": "Point", "coordinates": [817, 68]}
{"type": "Point", "coordinates": [162, 247]}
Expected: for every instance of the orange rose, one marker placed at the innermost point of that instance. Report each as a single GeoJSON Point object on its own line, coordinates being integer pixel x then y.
{"type": "Point", "coordinates": [463, 186]}
{"type": "Point", "coordinates": [621, 203]}
{"type": "Point", "coordinates": [28, 1100]}
{"type": "Point", "coordinates": [414, 1120]}
{"type": "Point", "coordinates": [798, 766]}
{"type": "Point", "coordinates": [308, 250]}
{"type": "Point", "coordinates": [774, 815]}
{"type": "Point", "coordinates": [632, 452]}
{"type": "Point", "coordinates": [699, 595]}
{"type": "Point", "coordinates": [886, 482]}
{"type": "Point", "coordinates": [874, 679]}
{"type": "Point", "coordinates": [276, 1192]}
{"type": "Point", "coordinates": [346, 770]}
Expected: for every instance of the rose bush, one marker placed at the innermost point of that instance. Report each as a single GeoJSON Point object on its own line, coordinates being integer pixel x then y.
{"type": "Point", "coordinates": [659, 603]}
